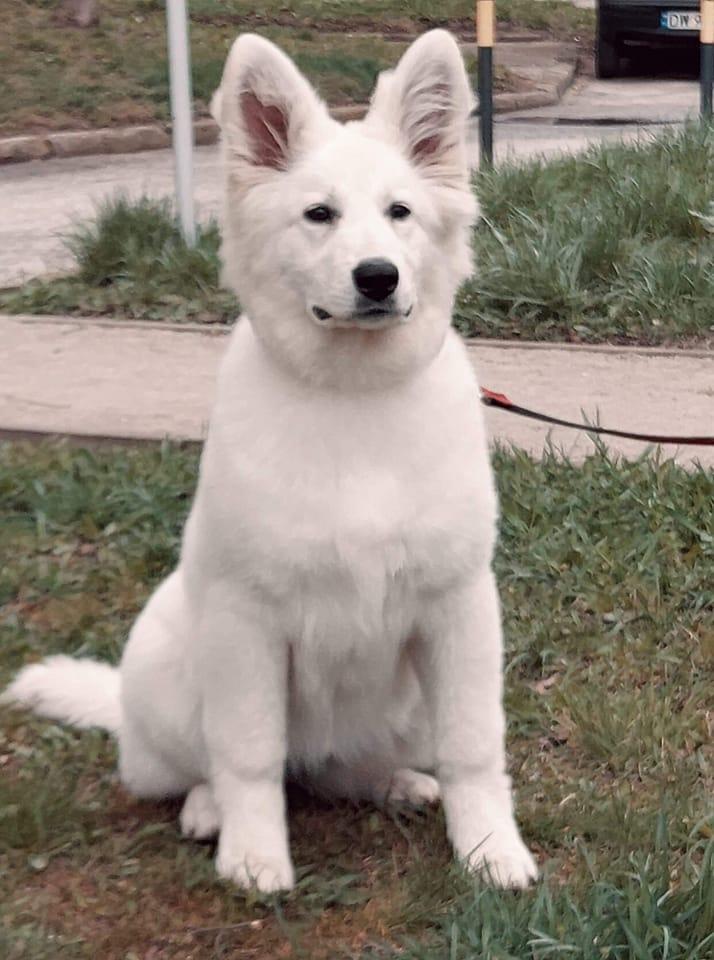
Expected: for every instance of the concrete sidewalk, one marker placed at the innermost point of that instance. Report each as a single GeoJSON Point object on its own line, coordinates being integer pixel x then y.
{"type": "Point", "coordinates": [140, 381]}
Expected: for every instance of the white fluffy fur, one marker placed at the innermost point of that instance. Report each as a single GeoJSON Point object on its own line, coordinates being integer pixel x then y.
{"type": "Point", "coordinates": [81, 692]}
{"type": "Point", "coordinates": [334, 611]}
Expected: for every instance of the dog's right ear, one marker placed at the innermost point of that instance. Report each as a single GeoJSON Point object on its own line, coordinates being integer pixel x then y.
{"type": "Point", "coordinates": [267, 111]}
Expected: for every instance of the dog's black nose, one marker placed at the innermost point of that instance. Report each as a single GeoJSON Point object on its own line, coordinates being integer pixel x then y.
{"type": "Point", "coordinates": [376, 278]}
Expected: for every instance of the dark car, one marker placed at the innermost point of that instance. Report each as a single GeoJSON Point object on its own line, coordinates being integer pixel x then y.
{"type": "Point", "coordinates": [623, 25]}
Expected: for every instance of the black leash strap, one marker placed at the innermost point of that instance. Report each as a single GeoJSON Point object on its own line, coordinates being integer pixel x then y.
{"type": "Point", "coordinates": [502, 402]}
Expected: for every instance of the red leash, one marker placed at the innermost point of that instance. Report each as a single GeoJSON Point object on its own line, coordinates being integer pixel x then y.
{"type": "Point", "coordinates": [501, 401]}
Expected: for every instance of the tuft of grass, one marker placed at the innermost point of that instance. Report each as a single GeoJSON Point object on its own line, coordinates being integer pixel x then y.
{"type": "Point", "coordinates": [608, 245]}
{"type": "Point", "coordinates": [605, 579]}
{"type": "Point", "coordinates": [128, 237]}
{"type": "Point", "coordinates": [131, 260]}
{"type": "Point", "coordinates": [656, 908]}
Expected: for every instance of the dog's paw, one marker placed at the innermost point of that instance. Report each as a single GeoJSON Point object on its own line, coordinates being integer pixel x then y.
{"type": "Point", "coordinates": [252, 871]}
{"type": "Point", "coordinates": [413, 787]}
{"type": "Point", "coordinates": [484, 833]}
{"type": "Point", "coordinates": [508, 864]}
{"type": "Point", "coordinates": [200, 818]}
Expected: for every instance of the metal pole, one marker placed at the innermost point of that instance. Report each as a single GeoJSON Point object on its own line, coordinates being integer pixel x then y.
{"type": "Point", "coordinates": [181, 113]}
{"type": "Point", "coordinates": [706, 58]}
{"type": "Point", "coordinates": [485, 30]}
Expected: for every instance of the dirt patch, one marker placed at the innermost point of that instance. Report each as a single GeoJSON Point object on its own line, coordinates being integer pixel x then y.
{"type": "Point", "coordinates": [144, 892]}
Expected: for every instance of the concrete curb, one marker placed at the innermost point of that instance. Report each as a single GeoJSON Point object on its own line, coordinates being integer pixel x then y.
{"type": "Point", "coordinates": [472, 343]}
{"type": "Point", "coordinates": [109, 140]}
{"type": "Point", "coordinates": [82, 143]}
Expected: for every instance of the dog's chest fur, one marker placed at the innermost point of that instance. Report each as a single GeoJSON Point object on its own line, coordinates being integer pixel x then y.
{"type": "Point", "coordinates": [345, 518]}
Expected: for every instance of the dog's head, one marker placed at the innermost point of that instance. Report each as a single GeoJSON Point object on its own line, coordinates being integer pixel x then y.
{"type": "Point", "coordinates": [346, 243]}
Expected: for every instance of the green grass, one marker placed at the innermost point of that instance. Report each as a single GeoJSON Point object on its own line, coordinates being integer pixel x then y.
{"type": "Point", "coordinates": [343, 68]}
{"type": "Point", "coordinates": [131, 260]}
{"type": "Point", "coordinates": [643, 916]}
{"type": "Point", "coordinates": [554, 16]}
{"type": "Point", "coordinates": [54, 76]}
{"type": "Point", "coordinates": [616, 244]}
{"type": "Point", "coordinates": [341, 76]}
{"type": "Point", "coordinates": [613, 244]}
{"type": "Point", "coordinates": [605, 577]}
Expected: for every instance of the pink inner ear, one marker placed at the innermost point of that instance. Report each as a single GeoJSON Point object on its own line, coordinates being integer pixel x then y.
{"type": "Point", "coordinates": [426, 148]}
{"type": "Point", "coordinates": [435, 120]}
{"type": "Point", "coordinates": [267, 129]}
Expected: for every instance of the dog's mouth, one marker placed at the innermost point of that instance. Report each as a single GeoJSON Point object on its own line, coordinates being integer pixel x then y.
{"type": "Point", "coordinates": [371, 318]}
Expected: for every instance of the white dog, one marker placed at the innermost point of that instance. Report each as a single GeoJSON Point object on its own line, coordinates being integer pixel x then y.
{"type": "Point", "coordinates": [334, 612]}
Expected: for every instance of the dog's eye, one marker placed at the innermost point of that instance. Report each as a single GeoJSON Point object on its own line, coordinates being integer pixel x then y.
{"type": "Point", "coordinates": [399, 211]}
{"type": "Point", "coordinates": [320, 213]}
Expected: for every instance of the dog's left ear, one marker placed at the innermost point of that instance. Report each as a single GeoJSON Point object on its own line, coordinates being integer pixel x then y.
{"type": "Point", "coordinates": [425, 103]}
{"type": "Point", "coordinates": [267, 110]}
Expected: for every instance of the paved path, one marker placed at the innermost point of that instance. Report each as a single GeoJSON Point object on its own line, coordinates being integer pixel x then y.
{"type": "Point", "coordinates": [620, 103]}
{"type": "Point", "coordinates": [149, 381]}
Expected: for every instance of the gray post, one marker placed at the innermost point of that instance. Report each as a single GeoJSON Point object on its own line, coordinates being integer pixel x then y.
{"type": "Point", "coordinates": [181, 113]}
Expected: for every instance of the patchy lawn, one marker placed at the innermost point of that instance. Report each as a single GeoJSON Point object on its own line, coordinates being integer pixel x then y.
{"type": "Point", "coordinates": [605, 575]}
{"type": "Point", "coordinates": [398, 17]}
{"type": "Point", "coordinates": [54, 76]}
{"type": "Point", "coordinates": [613, 245]}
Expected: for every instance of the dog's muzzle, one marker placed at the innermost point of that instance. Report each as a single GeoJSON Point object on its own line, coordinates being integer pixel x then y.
{"type": "Point", "coordinates": [375, 281]}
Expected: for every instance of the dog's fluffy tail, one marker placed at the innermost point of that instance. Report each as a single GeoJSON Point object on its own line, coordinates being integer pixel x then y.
{"type": "Point", "coordinates": [84, 693]}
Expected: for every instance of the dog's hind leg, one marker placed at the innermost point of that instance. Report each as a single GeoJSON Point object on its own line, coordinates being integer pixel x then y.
{"type": "Point", "coordinates": [144, 771]}
{"type": "Point", "coordinates": [159, 739]}
{"type": "Point", "coordinates": [376, 781]}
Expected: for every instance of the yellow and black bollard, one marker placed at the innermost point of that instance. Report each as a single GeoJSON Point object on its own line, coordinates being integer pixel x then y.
{"type": "Point", "coordinates": [485, 29]}
{"type": "Point", "coordinates": [706, 63]}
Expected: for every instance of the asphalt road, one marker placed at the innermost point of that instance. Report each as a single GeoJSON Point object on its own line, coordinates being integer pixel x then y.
{"type": "Point", "coordinates": [39, 200]}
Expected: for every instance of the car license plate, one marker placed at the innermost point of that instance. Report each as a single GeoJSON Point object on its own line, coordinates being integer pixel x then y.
{"type": "Point", "coordinates": [680, 20]}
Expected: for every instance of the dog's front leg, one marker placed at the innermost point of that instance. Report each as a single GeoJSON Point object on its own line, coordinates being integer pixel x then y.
{"type": "Point", "coordinates": [461, 669]}
{"type": "Point", "coordinates": [243, 672]}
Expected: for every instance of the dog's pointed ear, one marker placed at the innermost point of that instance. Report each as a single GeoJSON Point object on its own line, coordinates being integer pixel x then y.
{"type": "Point", "coordinates": [267, 110]}
{"type": "Point", "coordinates": [425, 102]}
